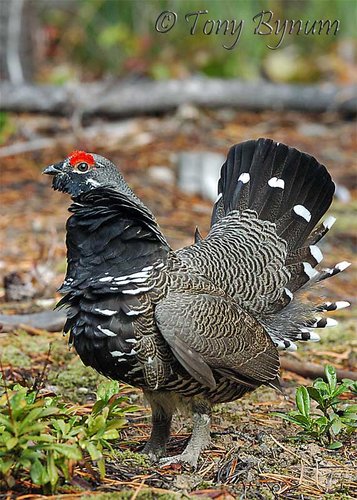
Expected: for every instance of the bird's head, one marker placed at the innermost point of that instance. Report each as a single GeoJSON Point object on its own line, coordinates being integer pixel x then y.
{"type": "Point", "coordinates": [81, 172]}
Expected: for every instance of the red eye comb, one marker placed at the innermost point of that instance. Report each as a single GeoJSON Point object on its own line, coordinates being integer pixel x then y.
{"type": "Point", "coordinates": [79, 156]}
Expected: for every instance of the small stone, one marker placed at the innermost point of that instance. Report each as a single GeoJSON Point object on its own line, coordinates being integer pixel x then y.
{"type": "Point", "coordinates": [162, 174]}
{"type": "Point", "coordinates": [313, 130]}
{"type": "Point", "coordinates": [198, 172]}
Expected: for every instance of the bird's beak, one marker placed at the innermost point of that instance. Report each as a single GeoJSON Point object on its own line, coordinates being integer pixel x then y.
{"type": "Point", "coordinates": [54, 169]}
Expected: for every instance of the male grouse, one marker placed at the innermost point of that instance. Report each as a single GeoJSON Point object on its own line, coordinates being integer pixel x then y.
{"type": "Point", "coordinates": [203, 324]}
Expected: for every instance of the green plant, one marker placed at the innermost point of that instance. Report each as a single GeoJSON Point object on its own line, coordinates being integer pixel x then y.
{"type": "Point", "coordinates": [335, 417]}
{"type": "Point", "coordinates": [42, 439]}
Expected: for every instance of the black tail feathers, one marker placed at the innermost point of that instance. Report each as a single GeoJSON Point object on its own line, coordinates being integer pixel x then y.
{"type": "Point", "coordinates": [291, 189]}
{"type": "Point", "coordinates": [280, 183]}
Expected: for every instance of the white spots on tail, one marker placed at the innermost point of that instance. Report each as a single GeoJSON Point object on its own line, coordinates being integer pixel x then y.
{"type": "Point", "coordinates": [314, 337]}
{"type": "Point", "coordinates": [329, 222]}
{"type": "Point", "coordinates": [131, 341]}
{"type": "Point", "coordinates": [342, 304]}
{"type": "Point", "coordinates": [333, 306]}
{"type": "Point", "coordinates": [107, 332]}
{"type": "Point", "coordinates": [274, 182]}
{"type": "Point", "coordinates": [289, 293]}
{"type": "Point", "coordinates": [285, 345]}
{"type": "Point", "coordinates": [244, 178]}
{"type": "Point", "coordinates": [303, 212]}
{"type": "Point", "coordinates": [105, 312]}
{"type": "Point", "coordinates": [309, 270]}
{"type": "Point", "coordinates": [324, 323]}
{"type": "Point", "coordinates": [341, 266]}
{"type": "Point", "coordinates": [316, 253]}
{"type": "Point", "coordinates": [292, 347]}
{"type": "Point", "coordinates": [106, 279]}
{"type": "Point", "coordinates": [331, 322]}
{"type": "Point", "coordinates": [218, 197]}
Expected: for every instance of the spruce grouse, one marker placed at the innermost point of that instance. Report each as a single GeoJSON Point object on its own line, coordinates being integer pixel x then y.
{"type": "Point", "coordinates": [203, 324]}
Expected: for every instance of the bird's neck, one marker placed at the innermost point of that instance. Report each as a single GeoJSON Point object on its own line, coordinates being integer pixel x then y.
{"type": "Point", "coordinates": [111, 231]}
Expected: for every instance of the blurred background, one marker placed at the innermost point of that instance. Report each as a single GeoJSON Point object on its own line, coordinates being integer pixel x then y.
{"type": "Point", "coordinates": [56, 41]}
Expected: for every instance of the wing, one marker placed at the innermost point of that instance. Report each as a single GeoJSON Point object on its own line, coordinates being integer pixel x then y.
{"type": "Point", "coordinates": [209, 333]}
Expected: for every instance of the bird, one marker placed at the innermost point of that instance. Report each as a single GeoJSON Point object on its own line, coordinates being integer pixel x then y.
{"type": "Point", "coordinates": [204, 324]}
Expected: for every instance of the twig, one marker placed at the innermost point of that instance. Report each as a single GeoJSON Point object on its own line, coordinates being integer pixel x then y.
{"type": "Point", "coordinates": [137, 491]}
{"type": "Point", "coordinates": [287, 449]}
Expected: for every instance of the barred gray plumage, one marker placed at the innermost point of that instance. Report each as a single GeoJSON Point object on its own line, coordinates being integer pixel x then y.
{"type": "Point", "coordinates": [201, 325]}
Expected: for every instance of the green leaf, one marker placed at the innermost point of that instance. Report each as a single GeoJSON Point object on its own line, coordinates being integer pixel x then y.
{"type": "Point", "coordinates": [295, 418]}
{"type": "Point", "coordinates": [322, 421]}
{"type": "Point", "coordinates": [321, 386]}
{"type": "Point", "coordinates": [96, 424]}
{"type": "Point", "coordinates": [351, 408]}
{"type": "Point", "coordinates": [71, 452]}
{"type": "Point", "coordinates": [315, 395]}
{"type": "Point", "coordinates": [6, 422]}
{"type": "Point", "coordinates": [335, 445]}
{"type": "Point", "coordinates": [330, 373]}
{"type": "Point", "coordinates": [37, 472]}
{"type": "Point", "coordinates": [107, 389]}
{"type": "Point", "coordinates": [111, 434]}
{"type": "Point", "coordinates": [101, 467]}
{"type": "Point", "coordinates": [336, 425]}
{"type": "Point", "coordinates": [116, 423]}
{"type": "Point", "coordinates": [93, 451]}
{"type": "Point", "coordinates": [303, 401]}
{"type": "Point", "coordinates": [340, 390]}
{"type": "Point", "coordinates": [52, 470]}
{"type": "Point", "coordinates": [6, 465]}
{"type": "Point", "coordinates": [11, 443]}
{"type": "Point", "coordinates": [32, 416]}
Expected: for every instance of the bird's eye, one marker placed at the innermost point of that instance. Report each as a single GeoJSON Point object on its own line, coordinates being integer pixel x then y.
{"type": "Point", "coordinates": [82, 167]}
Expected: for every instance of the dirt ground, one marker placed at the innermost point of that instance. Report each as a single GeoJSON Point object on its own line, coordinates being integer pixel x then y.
{"type": "Point", "coordinates": [251, 455]}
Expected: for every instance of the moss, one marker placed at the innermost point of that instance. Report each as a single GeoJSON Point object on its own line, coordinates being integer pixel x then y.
{"type": "Point", "coordinates": [75, 381]}
{"type": "Point", "coordinates": [131, 458]}
{"type": "Point", "coordinates": [20, 348]}
{"type": "Point", "coordinates": [15, 356]}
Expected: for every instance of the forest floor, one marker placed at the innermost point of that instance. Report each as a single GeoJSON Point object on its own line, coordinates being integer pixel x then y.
{"type": "Point", "coordinates": [251, 455]}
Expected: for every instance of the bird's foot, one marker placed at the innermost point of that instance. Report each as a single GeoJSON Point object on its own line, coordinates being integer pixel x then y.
{"type": "Point", "coordinates": [185, 457]}
{"type": "Point", "coordinates": [153, 452]}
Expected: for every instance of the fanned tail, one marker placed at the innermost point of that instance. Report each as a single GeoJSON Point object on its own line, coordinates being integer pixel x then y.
{"type": "Point", "coordinates": [292, 190]}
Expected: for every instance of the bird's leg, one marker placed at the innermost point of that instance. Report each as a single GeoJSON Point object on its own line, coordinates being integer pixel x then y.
{"type": "Point", "coordinates": [200, 437]}
{"type": "Point", "coordinates": [162, 409]}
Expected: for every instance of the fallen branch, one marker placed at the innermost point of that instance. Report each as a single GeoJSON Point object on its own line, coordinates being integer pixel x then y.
{"type": "Point", "coordinates": [132, 98]}
{"type": "Point", "coordinates": [310, 370]}
{"type": "Point", "coordinates": [114, 131]}
{"type": "Point", "coordinates": [52, 321]}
